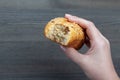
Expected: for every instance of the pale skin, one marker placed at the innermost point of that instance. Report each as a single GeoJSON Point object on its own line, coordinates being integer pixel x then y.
{"type": "Point", "coordinates": [96, 62]}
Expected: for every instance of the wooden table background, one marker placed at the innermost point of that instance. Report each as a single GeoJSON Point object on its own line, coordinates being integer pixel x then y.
{"type": "Point", "coordinates": [25, 54]}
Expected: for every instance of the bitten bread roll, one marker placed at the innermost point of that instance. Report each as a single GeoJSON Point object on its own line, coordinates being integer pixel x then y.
{"type": "Point", "coordinates": [65, 33]}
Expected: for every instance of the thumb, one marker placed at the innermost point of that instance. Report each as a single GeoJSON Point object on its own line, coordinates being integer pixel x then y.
{"type": "Point", "coordinates": [73, 54]}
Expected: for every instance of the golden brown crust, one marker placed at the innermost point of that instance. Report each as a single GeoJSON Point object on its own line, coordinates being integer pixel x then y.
{"type": "Point", "coordinates": [76, 33]}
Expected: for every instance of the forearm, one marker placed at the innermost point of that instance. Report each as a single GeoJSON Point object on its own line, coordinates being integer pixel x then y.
{"type": "Point", "coordinates": [113, 76]}
{"type": "Point", "coordinates": [107, 76]}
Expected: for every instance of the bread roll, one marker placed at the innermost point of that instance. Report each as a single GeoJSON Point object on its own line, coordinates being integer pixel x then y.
{"type": "Point", "coordinates": [65, 33]}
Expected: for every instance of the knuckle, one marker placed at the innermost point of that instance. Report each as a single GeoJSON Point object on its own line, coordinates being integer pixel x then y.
{"type": "Point", "coordinates": [104, 43]}
{"type": "Point", "coordinates": [90, 23]}
{"type": "Point", "coordinates": [107, 41]}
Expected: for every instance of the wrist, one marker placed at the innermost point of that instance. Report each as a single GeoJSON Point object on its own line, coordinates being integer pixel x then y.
{"type": "Point", "coordinates": [112, 76]}
{"type": "Point", "coordinates": [106, 75]}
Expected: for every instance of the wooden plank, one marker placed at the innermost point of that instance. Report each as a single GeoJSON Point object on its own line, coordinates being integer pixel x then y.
{"type": "Point", "coordinates": [26, 54]}
{"type": "Point", "coordinates": [50, 4]}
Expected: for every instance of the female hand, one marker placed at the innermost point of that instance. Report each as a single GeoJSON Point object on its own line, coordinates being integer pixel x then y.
{"type": "Point", "coordinates": [96, 62]}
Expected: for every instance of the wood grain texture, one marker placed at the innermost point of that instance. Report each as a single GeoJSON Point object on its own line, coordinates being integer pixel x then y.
{"type": "Point", "coordinates": [53, 4]}
{"type": "Point", "coordinates": [26, 55]}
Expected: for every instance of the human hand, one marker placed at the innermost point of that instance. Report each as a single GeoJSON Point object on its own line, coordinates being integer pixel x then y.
{"type": "Point", "coordinates": [96, 62]}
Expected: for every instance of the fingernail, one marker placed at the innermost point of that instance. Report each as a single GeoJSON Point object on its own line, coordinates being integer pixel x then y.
{"type": "Point", "coordinates": [63, 48]}
{"type": "Point", "coordinates": [68, 15]}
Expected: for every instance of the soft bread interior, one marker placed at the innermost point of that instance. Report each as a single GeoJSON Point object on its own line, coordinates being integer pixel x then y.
{"type": "Point", "coordinates": [59, 33]}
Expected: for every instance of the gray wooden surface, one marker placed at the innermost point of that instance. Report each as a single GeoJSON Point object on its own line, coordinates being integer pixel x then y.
{"type": "Point", "coordinates": [25, 54]}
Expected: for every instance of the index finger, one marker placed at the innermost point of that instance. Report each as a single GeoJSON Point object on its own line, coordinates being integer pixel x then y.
{"type": "Point", "coordinates": [91, 30]}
